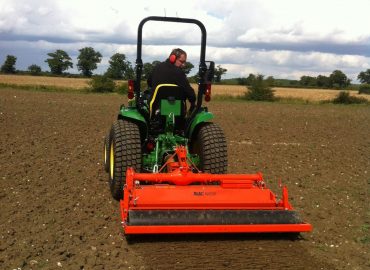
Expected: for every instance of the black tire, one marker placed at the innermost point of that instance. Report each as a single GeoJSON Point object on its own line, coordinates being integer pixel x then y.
{"type": "Point", "coordinates": [210, 145]}
{"type": "Point", "coordinates": [106, 152]}
{"type": "Point", "coordinates": [125, 151]}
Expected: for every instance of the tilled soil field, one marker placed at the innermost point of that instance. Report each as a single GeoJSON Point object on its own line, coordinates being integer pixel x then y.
{"type": "Point", "coordinates": [57, 211]}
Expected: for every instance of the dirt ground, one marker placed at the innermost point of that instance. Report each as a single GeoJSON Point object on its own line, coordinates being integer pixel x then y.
{"type": "Point", "coordinates": [57, 212]}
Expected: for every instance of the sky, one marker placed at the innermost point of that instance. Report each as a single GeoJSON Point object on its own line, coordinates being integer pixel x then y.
{"type": "Point", "coordinates": [285, 39]}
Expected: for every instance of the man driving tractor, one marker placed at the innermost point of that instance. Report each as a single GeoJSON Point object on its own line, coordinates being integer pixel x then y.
{"type": "Point", "coordinates": [170, 72]}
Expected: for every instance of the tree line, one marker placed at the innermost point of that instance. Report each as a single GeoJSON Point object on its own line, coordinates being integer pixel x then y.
{"type": "Point", "coordinates": [120, 68]}
{"type": "Point", "coordinates": [88, 59]}
{"type": "Point", "coordinates": [337, 79]}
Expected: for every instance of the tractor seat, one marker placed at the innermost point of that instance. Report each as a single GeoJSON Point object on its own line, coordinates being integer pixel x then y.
{"type": "Point", "coordinates": [166, 99]}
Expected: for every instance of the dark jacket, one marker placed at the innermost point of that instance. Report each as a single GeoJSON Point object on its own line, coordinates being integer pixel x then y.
{"type": "Point", "coordinates": [166, 72]}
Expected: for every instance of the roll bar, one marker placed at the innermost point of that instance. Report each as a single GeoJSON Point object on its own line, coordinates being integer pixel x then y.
{"type": "Point", "coordinates": [202, 62]}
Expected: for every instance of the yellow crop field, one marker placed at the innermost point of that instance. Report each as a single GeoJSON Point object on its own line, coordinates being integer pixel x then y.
{"type": "Point", "coordinates": [42, 80]}
{"type": "Point", "coordinates": [296, 93]}
{"type": "Point", "coordinates": [232, 90]}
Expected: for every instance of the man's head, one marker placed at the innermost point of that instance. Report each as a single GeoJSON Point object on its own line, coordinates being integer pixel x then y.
{"type": "Point", "coordinates": [178, 57]}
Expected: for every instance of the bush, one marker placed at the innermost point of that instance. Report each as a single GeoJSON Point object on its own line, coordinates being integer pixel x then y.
{"type": "Point", "coordinates": [34, 70]}
{"type": "Point", "coordinates": [101, 84]}
{"type": "Point", "coordinates": [259, 90]}
{"type": "Point", "coordinates": [122, 88]}
{"type": "Point", "coordinates": [364, 89]}
{"type": "Point", "coordinates": [345, 98]}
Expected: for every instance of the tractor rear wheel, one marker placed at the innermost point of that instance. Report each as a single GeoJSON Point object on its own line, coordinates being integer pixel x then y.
{"type": "Point", "coordinates": [210, 145]}
{"type": "Point", "coordinates": [125, 152]}
{"type": "Point", "coordinates": [106, 152]}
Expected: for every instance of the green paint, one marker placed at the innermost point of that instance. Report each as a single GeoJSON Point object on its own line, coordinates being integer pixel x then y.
{"type": "Point", "coordinates": [132, 113]}
{"type": "Point", "coordinates": [168, 107]}
{"type": "Point", "coordinates": [200, 118]}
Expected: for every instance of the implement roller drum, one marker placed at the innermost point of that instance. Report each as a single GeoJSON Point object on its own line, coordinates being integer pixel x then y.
{"type": "Point", "coordinates": [211, 217]}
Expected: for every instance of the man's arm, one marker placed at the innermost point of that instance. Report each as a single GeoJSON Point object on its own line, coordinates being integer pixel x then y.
{"type": "Point", "coordinates": [189, 91]}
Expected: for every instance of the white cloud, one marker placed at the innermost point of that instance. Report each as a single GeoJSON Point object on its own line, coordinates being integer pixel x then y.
{"type": "Point", "coordinates": [279, 38]}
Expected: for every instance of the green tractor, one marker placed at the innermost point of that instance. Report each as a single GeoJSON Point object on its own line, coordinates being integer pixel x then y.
{"type": "Point", "coordinates": [148, 130]}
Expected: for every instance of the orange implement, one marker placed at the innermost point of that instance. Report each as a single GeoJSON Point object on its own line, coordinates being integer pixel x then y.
{"type": "Point", "coordinates": [185, 202]}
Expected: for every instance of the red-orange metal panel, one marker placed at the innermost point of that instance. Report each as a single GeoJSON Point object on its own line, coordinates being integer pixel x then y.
{"type": "Point", "coordinates": [202, 196]}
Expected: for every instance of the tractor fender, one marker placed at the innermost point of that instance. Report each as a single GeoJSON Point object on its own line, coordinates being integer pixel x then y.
{"type": "Point", "coordinates": [198, 119]}
{"type": "Point", "coordinates": [133, 115]}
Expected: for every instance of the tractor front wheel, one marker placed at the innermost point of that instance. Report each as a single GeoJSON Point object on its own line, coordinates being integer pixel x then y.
{"type": "Point", "coordinates": [124, 152]}
{"type": "Point", "coordinates": [209, 144]}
